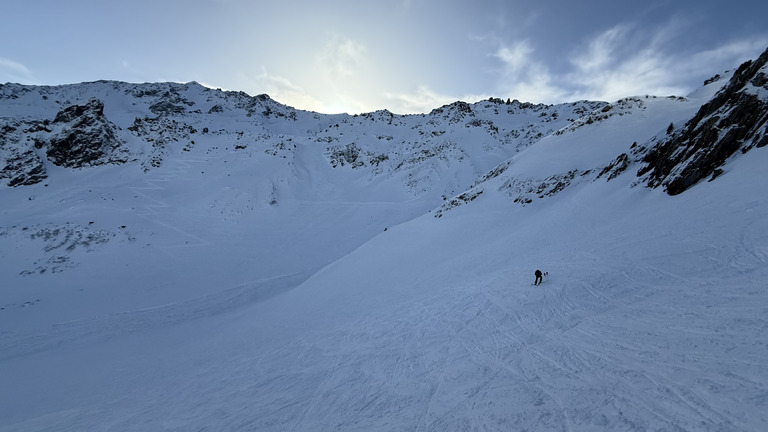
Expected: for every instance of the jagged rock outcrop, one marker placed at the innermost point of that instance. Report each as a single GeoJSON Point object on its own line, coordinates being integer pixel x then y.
{"type": "Point", "coordinates": [735, 119]}
{"type": "Point", "coordinates": [25, 169]}
{"type": "Point", "coordinates": [166, 107]}
{"type": "Point", "coordinates": [84, 138]}
{"type": "Point", "coordinates": [454, 112]}
{"type": "Point", "coordinates": [22, 166]}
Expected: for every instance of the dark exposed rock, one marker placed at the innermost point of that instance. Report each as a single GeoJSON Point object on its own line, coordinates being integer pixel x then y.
{"type": "Point", "coordinates": [26, 169]}
{"type": "Point", "coordinates": [166, 107]}
{"type": "Point", "coordinates": [713, 79]}
{"type": "Point", "coordinates": [86, 137]}
{"type": "Point", "coordinates": [524, 191]}
{"type": "Point", "coordinates": [454, 112]}
{"type": "Point", "coordinates": [734, 119]}
{"type": "Point", "coordinates": [73, 112]}
{"type": "Point", "coordinates": [348, 154]}
{"type": "Point", "coordinates": [161, 132]}
{"type": "Point", "coordinates": [619, 165]}
{"type": "Point", "coordinates": [760, 80]}
{"type": "Point", "coordinates": [19, 163]}
{"type": "Point", "coordinates": [464, 198]}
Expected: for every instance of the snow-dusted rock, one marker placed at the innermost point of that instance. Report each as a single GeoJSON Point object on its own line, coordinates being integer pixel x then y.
{"type": "Point", "coordinates": [736, 119]}
{"type": "Point", "coordinates": [82, 136]}
{"type": "Point", "coordinates": [19, 162]}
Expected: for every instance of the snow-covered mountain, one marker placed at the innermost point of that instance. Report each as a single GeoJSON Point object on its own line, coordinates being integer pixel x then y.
{"type": "Point", "coordinates": [176, 257]}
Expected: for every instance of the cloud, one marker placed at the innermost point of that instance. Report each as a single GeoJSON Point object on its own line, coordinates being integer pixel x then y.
{"type": "Point", "coordinates": [339, 76]}
{"type": "Point", "coordinates": [537, 85]}
{"type": "Point", "coordinates": [624, 60]}
{"type": "Point", "coordinates": [601, 51]}
{"type": "Point", "coordinates": [289, 93]}
{"type": "Point", "coordinates": [283, 90]}
{"type": "Point", "coordinates": [525, 77]}
{"type": "Point", "coordinates": [343, 58]}
{"type": "Point", "coordinates": [612, 67]}
{"type": "Point", "coordinates": [733, 53]}
{"type": "Point", "coordinates": [599, 69]}
{"type": "Point", "coordinates": [515, 57]}
{"type": "Point", "coordinates": [13, 71]}
{"type": "Point", "coordinates": [424, 100]}
{"type": "Point", "coordinates": [421, 101]}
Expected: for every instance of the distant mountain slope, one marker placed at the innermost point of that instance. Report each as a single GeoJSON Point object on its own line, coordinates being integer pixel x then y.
{"type": "Point", "coordinates": [144, 122]}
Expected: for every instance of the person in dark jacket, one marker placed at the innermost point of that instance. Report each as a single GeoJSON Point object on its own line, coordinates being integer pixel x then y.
{"type": "Point", "coordinates": [538, 278]}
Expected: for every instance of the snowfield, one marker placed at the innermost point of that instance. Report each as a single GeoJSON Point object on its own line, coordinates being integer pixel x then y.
{"type": "Point", "coordinates": [237, 289]}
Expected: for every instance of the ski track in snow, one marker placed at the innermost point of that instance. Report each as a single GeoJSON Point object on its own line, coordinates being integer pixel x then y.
{"type": "Point", "coordinates": [102, 328]}
{"type": "Point", "coordinates": [512, 349]}
{"type": "Point", "coordinates": [156, 186]}
{"type": "Point", "coordinates": [608, 351]}
{"type": "Point", "coordinates": [545, 360]}
{"type": "Point", "coordinates": [492, 357]}
{"type": "Point", "coordinates": [632, 346]}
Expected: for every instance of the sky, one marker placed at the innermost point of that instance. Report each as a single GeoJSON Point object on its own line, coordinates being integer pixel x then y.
{"type": "Point", "coordinates": [407, 56]}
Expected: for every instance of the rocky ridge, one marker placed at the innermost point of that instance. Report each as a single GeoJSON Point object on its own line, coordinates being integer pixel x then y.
{"type": "Point", "coordinates": [736, 119]}
{"type": "Point", "coordinates": [106, 122]}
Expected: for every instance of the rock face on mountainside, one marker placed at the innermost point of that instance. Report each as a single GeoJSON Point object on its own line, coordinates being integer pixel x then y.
{"type": "Point", "coordinates": [79, 136]}
{"type": "Point", "coordinates": [736, 119]}
{"type": "Point", "coordinates": [19, 163]}
{"type": "Point", "coordinates": [85, 138]}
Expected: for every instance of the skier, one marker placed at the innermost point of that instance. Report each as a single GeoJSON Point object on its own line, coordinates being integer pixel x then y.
{"type": "Point", "coordinates": [538, 278]}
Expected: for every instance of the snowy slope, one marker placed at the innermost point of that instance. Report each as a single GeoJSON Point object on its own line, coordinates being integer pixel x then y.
{"type": "Point", "coordinates": [294, 271]}
{"type": "Point", "coordinates": [244, 188]}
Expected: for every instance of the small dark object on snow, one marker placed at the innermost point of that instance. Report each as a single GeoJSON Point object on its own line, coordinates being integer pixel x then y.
{"type": "Point", "coordinates": [538, 277]}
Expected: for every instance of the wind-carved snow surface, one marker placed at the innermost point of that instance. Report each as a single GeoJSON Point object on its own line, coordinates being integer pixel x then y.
{"type": "Point", "coordinates": [288, 271]}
